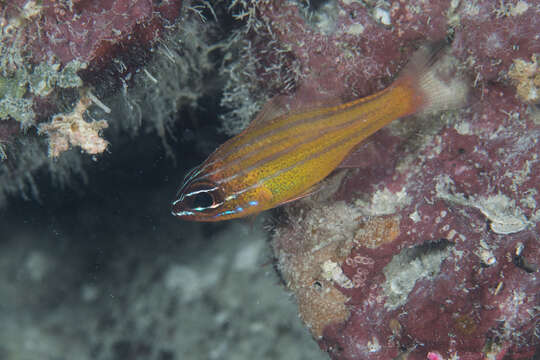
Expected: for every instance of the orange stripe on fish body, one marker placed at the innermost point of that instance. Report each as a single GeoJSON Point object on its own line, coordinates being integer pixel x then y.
{"type": "Point", "coordinates": [280, 157]}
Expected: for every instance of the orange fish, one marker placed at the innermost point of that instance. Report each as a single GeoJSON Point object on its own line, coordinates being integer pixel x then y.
{"type": "Point", "coordinates": [282, 157]}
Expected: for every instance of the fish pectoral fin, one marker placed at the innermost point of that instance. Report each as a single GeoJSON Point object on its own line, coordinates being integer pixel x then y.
{"type": "Point", "coordinates": [312, 190]}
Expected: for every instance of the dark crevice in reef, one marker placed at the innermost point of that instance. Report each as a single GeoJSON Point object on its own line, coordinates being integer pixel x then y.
{"type": "Point", "coordinates": [426, 248]}
{"type": "Point", "coordinates": [523, 264]}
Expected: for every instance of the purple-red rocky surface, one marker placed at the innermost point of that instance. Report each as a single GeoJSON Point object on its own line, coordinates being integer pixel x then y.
{"type": "Point", "coordinates": [86, 31]}
{"type": "Point", "coordinates": [429, 248]}
{"type": "Point", "coordinates": [46, 45]}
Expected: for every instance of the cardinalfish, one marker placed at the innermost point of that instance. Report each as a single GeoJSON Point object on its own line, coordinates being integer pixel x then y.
{"type": "Point", "coordinates": [282, 156]}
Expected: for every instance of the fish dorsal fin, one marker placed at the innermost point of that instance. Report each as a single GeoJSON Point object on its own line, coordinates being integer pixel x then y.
{"type": "Point", "coordinates": [274, 108]}
{"type": "Point", "coordinates": [305, 98]}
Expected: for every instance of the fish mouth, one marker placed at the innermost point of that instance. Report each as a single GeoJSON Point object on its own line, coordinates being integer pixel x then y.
{"type": "Point", "coordinates": [178, 210]}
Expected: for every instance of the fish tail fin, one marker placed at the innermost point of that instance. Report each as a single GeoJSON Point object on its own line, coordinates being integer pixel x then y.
{"type": "Point", "coordinates": [429, 75]}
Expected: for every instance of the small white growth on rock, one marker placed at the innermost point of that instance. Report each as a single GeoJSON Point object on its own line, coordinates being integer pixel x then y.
{"type": "Point", "coordinates": [331, 271]}
{"type": "Point", "coordinates": [504, 215]}
{"type": "Point", "coordinates": [382, 16]}
{"type": "Point", "coordinates": [485, 254]}
{"type": "Point", "coordinates": [529, 201]}
{"type": "Point", "coordinates": [471, 9]}
{"type": "Point", "coordinates": [355, 29]}
{"type": "Point", "coordinates": [31, 9]}
{"type": "Point", "coordinates": [451, 13]}
{"type": "Point", "coordinates": [385, 202]}
{"type": "Point", "coordinates": [71, 129]}
{"type": "Point", "coordinates": [373, 345]}
{"type": "Point", "coordinates": [526, 77]}
{"type": "Point", "coordinates": [510, 306]}
{"type": "Point", "coordinates": [519, 248]}
{"type": "Point", "coordinates": [520, 8]}
{"type": "Point", "coordinates": [324, 19]}
{"type": "Point", "coordinates": [509, 9]}
{"type": "Point", "coordinates": [415, 216]}
{"type": "Point", "coordinates": [406, 268]}
{"type": "Point", "coordinates": [463, 128]}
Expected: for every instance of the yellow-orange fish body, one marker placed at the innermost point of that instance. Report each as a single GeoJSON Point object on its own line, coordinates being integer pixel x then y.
{"type": "Point", "coordinates": [280, 158]}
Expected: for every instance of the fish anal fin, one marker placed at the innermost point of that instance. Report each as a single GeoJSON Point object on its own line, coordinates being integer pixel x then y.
{"type": "Point", "coordinates": [364, 155]}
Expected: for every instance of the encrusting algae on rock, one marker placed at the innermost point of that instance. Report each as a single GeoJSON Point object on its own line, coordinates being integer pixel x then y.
{"type": "Point", "coordinates": [471, 289]}
{"type": "Point", "coordinates": [71, 129]}
{"type": "Point", "coordinates": [526, 76]}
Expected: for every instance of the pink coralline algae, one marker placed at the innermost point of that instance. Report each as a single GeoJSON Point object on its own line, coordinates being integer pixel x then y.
{"type": "Point", "coordinates": [350, 39]}
{"type": "Point", "coordinates": [494, 33]}
{"type": "Point", "coordinates": [429, 248]}
{"type": "Point", "coordinates": [86, 31]}
{"type": "Point", "coordinates": [47, 46]}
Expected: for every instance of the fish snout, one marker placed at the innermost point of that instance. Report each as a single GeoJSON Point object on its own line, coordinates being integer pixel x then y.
{"type": "Point", "coordinates": [199, 201]}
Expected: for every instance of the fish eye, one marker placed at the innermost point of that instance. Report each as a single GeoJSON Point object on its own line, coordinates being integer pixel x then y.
{"type": "Point", "coordinates": [202, 195]}
{"type": "Point", "coordinates": [201, 200]}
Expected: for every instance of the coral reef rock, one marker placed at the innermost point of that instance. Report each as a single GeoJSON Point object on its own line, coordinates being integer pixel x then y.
{"type": "Point", "coordinates": [429, 246]}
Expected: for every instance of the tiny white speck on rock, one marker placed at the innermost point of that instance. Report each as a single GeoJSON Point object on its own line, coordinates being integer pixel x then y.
{"type": "Point", "coordinates": [355, 29]}
{"type": "Point", "coordinates": [331, 271]}
{"type": "Point", "coordinates": [382, 16]}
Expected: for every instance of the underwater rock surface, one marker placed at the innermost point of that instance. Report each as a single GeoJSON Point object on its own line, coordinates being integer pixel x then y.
{"type": "Point", "coordinates": [86, 31]}
{"type": "Point", "coordinates": [45, 46]}
{"type": "Point", "coordinates": [76, 77]}
{"type": "Point", "coordinates": [429, 246]}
